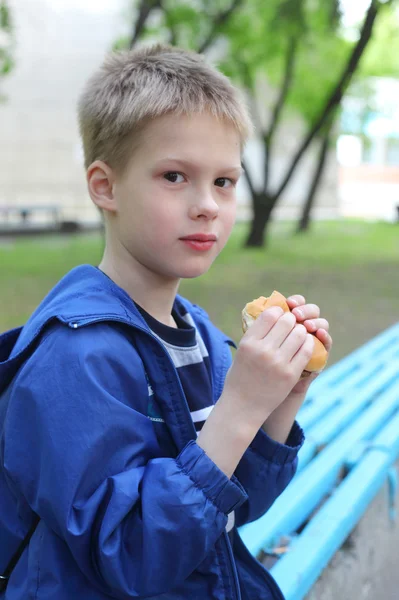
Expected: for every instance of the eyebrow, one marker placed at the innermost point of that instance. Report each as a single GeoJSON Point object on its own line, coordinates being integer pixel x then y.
{"type": "Point", "coordinates": [186, 163]}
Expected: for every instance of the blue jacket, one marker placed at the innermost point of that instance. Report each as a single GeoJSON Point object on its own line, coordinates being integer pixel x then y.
{"type": "Point", "coordinates": [130, 505]}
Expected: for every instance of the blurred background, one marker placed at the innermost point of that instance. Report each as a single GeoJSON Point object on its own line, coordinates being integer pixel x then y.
{"type": "Point", "coordinates": [319, 202]}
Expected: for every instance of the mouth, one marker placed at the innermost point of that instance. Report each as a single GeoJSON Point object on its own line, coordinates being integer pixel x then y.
{"type": "Point", "coordinates": [200, 237]}
{"type": "Point", "coordinates": [199, 242]}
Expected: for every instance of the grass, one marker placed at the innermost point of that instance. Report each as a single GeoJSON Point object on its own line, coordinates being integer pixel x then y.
{"type": "Point", "coordinates": [349, 268]}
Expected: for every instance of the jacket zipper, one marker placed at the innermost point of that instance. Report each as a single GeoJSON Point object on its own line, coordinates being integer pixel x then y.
{"type": "Point", "coordinates": [263, 572]}
{"type": "Point", "coordinates": [232, 567]}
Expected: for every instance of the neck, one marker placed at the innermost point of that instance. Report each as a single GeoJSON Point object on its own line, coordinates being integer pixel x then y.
{"type": "Point", "coordinates": [152, 292]}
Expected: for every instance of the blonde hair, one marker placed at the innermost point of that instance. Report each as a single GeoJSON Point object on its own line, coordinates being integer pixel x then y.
{"type": "Point", "coordinates": [132, 87]}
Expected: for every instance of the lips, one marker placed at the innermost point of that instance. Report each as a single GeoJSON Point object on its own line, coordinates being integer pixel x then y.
{"type": "Point", "coordinates": [200, 237]}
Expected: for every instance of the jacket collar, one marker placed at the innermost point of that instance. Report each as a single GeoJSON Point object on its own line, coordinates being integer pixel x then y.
{"type": "Point", "coordinates": [86, 295]}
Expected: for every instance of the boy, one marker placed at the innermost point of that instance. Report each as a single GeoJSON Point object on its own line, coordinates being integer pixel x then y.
{"type": "Point", "coordinates": [110, 436]}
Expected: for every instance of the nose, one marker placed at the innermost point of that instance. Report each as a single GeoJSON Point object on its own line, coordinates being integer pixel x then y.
{"type": "Point", "coordinates": [204, 206]}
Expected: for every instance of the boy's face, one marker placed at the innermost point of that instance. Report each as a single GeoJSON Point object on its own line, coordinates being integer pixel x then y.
{"type": "Point", "coordinates": [180, 182]}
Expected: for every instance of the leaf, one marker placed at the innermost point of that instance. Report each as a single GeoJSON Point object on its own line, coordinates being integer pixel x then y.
{"type": "Point", "coordinates": [381, 58]}
{"type": "Point", "coordinates": [121, 43]}
{"type": "Point", "coordinates": [257, 36]}
{"type": "Point", "coordinates": [5, 22]}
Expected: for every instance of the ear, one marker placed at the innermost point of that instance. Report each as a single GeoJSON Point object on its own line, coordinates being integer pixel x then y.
{"type": "Point", "coordinates": [100, 183]}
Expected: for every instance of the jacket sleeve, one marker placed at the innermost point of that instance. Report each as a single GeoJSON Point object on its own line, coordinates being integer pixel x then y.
{"type": "Point", "coordinates": [88, 463]}
{"type": "Point", "coordinates": [265, 470]}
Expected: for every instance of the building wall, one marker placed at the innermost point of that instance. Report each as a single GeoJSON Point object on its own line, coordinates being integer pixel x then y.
{"type": "Point", "coordinates": [290, 206]}
{"type": "Point", "coordinates": [59, 44]}
{"type": "Point", "coordinates": [369, 191]}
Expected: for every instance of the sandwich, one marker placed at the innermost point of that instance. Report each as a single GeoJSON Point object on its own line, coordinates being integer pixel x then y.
{"type": "Point", "coordinates": [253, 309]}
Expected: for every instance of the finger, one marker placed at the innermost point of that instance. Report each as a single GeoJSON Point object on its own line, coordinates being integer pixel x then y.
{"type": "Point", "coordinates": [296, 300]}
{"type": "Point", "coordinates": [264, 323]}
{"type": "Point", "coordinates": [294, 341]}
{"type": "Point", "coordinates": [304, 354]}
{"type": "Point", "coordinates": [281, 330]}
{"type": "Point", "coordinates": [307, 311]}
{"type": "Point", "coordinates": [325, 338]}
{"type": "Point", "coordinates": [314, 324]}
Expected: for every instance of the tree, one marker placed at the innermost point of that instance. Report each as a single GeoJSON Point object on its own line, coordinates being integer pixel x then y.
{"type": "Point", "coordinates": [324, 145]}
{"type": "Point", "coordinates": [296, 46]}
{"type": "Point", "coordinates": [380, 59]}
{"type": "Point", "coordinates": [312, 47]}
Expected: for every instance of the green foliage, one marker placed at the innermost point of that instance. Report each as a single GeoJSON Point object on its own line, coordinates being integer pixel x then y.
{"type": "Point", "coordinates": [381, 58]}
{"type": "Point", "coordinates": [5, 22]}
{"type": "Point", "coordinates": [257, 37]}
{"type": "Point", "coordinates": [6, 39]}
{"type": "Point", "coordinates": [319, 56]}
{"type": "Point", "coordinates": [186, 24]}
{"type": "Point", "coordinates": [121, 43]}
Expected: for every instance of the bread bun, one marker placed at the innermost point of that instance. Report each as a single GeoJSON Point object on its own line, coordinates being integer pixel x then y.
{"type": "Point", "coordinates": [253, 309]}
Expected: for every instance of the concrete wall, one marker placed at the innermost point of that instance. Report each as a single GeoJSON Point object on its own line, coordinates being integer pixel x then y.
{"type": "Point", "coordinates": [59, 44]}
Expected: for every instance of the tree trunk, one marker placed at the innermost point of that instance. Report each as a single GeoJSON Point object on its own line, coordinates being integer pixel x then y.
{"type": "Point", "coordinates": [304, 222]}
{"type": "Point", "coordinates": [262, 205]}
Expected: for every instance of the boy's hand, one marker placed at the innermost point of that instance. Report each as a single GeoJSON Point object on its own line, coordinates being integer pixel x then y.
{"type": "Point", "coordinates": [279, 424]}
{"type": "Point", "coordinates": [309, 316]}
{"type": "Point", "coordinates": [269, 361]}
{"type": "Point", "coordinates": [262, 387]}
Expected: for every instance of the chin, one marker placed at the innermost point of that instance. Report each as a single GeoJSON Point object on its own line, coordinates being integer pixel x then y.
{"type": "Point", "coordinates": [182, 268]}
{"type": "Point", "coordinates": [195, 270]}
{"type": "Point", "coordinates": [191, 273]}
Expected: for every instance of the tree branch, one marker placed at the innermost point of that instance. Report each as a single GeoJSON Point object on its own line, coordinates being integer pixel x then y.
{"type": "Point", "coordinates": [218, 21]}
{"type": "Point", "coordinates": [285, 86]}
{"type": "Point", "coordinates": [338, 92]}
{"type": "Point", "coordinates": [249, 84]}
{"type": "Point", "coordinates": [146, 7]}
{"type": "Point", "coordinates": [279, 105]}
{"type": "Point", "coordinates": [304, 221]}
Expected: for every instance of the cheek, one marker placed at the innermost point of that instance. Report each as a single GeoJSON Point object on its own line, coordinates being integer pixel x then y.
{"type": "Point", "coordinates": [227, 216]}
{"type": "Point", "coordinates": [158, 225]}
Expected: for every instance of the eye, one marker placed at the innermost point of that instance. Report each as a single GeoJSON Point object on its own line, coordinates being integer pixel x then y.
{"type": "Point", "coordinates": [220, 181]}
{"type": "Point", "coordinates": [173, 177]}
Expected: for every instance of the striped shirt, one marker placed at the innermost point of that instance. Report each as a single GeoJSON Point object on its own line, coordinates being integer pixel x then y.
{"type": "Point", "coordinates": [190, 356]}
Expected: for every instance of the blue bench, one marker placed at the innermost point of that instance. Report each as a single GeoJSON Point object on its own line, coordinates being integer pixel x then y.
{"type": "Point", "coordinates": [351, 421]}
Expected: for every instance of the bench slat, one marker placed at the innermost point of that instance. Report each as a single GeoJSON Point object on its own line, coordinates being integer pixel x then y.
{"type": "Point", "coordinates": [311, 551]}
{"type": "Point", "coordinates": [335, 374]}
{"type": "Point", "coordinates": [310, 485]}
{"type": "Point", "coordinates": [344, 412]}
